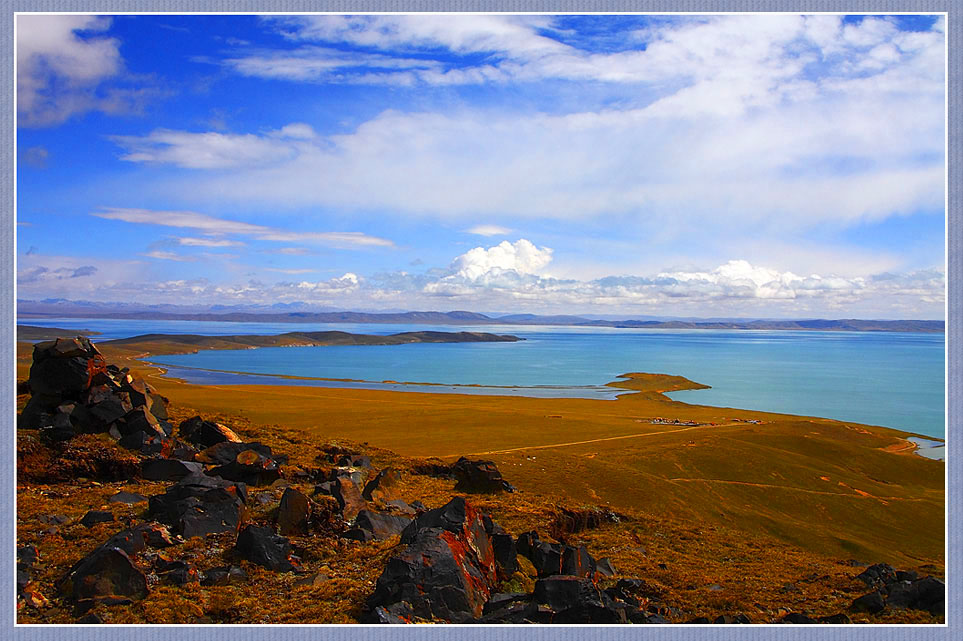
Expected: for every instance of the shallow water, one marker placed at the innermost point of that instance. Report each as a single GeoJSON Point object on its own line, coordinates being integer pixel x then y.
{"type": "Point", "coordinates": [890, 379]}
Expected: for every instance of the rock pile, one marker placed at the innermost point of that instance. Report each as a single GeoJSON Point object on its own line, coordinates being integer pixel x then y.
{"type": "Point", "coordinates": [893, 588]}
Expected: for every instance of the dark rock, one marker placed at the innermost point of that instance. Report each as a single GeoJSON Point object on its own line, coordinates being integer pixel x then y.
{"type": "Point", "coordinates": [478, 476]}
{"type": "Point", "coordinates": [226, 452]}
{"type": "Point", "coordinates": [797, 618]}
{"type": "Point", "coordinates": [700, 621]}
{"type": "Point", "coordinates": [727, 619]}
{"type": "Point", "coordinates": [358, 534]}
{"type": "Point", "coordinates": [199, 504]}
{"type": "Point", "coordinates": [503, 600]}
{"type": "Point", "coordinates": [568, 521]}
{"type": "Point", "coordinates": [262, 546]}
{"type": "Point", "coordinates": [932, 595]}
{"type": "Point", "coordinates": [349, 498]}
{"type": "Point", "coordinates": [109, 410]}
{"type": "Point", "coordinates": [90, 619]}
{"type": "Point", "coordinates": [605, 567]}
{"type": "Point", "coordinates": [140, 419]}
{"type": "Point", "coordinates": [226, 575]}
{"type": "Point", "coordinates": [293, 513]}
{"type": "Point", "coordinates": [353, 460]}
{"type": "Point", "coordinates": [165, 469]}
{"type": "Point", "coordinates": [128, 498]}
{"type": "Point", "coordinates": [379, 488]}
{"type": "Point", "coordinates": [878, 575]}
{"type": "Point", "coordinates": [60, 367]}
{"type": "Point", "coordinates": [419, 506]}
{"type": "Point", "coordinates": [206, 433]}
{"type": "Point", "coordinates": [93, 517]}
{"type": "Point", "coordinates": [445, 571]}
{"type": "Point", "coordinates": [835, 619]}
{"type": "Point", "coordinates": [178, 573]}
{"type": "Point", "coordinates": [158, 406]}
{"type": "Point", "coordinates": [554, 558]}
{"type": "Point", "coordinates": [907, 575]}
{"type": "Point", "coordinates": [136, 539]}
{"type": "Point", "coordinates": [251, 468]}
{"type": "Point", "coordinates": [506, 558]}
{"type": "Point", "coordinates": [871, 603]}
{"type": "Point", "coordinates": [107, 571]}
{"type": "Point", "coordinates": [526, 543]}
{"type": "Point", "coordinates": [325, 489]}
{"type": "Point", "coordinates": [382, 526]}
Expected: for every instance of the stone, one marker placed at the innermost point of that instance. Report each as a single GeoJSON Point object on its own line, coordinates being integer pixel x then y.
{"type": "Point", "coordinates": [479, 477]}
{"type": "Point", "coordinates": [206, 433]}
{"type": "Point", "coordinates": [932, 595]}
{"type": "Point", "coordinates": [871, 603]}
{"type": "Point", "coordinates": [293, 513]}
{"type": "Point", "coordinates": [225, 575]}
{"type": "Point", "coordinates": [251, 468]}
{"type": "Point", "coordinates": [349, 498]}
{"type": "Point", "coordinates": [506, 557]}
{"type": "Point", "coordinates": [446, 569]}
{"type": "Point", "coordinates": [177, 572]}
{"type": "Point", "coordinates": [380, 487]}
{"type": "Point", "coordinates": [797, 618]}
{"type": "Point", "coordinates": [140, 419]}
{"type": "Point", "coordinates": [199, 504]}
{"type": "Point", "coordinates": [604, 567]}
{"type": "Point", "coordinates": [93, 517]}
{"type": "Point", "coordinates": [105, 572]}
{"type": "Point", "coordinates": [163, 469]}
{"type": "Point", "coordinates": [60, 367]}
{"type": "Point", "coordinates": [226, 452]}
{"type": "Point", "coordinates": [728, 619]}
{"type": "Point", "coordinates": [836, 619]}
{"type": "Point", "coordinates": [382, 526]}
{"type": "Point", "coordinates": [262, 546]}
{"type": "Point", "coordinates": [878, 575]}
{"type": "Point", "coordinates": [398, 505]}
{"type": "Point", "coordinates": [554, 558]}
{"type": "Point", "coordinates": [562, 593]}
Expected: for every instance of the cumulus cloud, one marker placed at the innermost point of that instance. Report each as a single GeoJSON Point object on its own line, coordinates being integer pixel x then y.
{"type": "Point", "coordinates": [65, 67]}
{"type": "Point", "coordinates": [522, 257]}
{"type": "Point", "coordinates": [217, 226]}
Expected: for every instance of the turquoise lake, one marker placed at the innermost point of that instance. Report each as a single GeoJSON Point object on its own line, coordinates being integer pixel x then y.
{"type": "Point", "coordinates": [890, 379]}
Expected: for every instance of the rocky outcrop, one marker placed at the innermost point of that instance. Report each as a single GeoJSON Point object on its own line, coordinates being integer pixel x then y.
{"type": "Point", "coordinates": [900, 590]}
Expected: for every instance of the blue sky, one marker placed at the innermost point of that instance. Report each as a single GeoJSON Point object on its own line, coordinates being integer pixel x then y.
{"type": "Point", "coordinates": [729, 165]}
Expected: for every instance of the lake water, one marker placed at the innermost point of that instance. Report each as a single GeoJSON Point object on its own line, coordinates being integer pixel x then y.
{"type": "Point", "coordinates": [890, 379]}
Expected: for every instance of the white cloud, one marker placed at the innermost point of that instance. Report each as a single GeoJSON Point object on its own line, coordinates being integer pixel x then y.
{"type": "Point", "coordinates": [212, 225]}
{"type": "Point", "coordinates": [60, 74]}
{"type": "Point", "coordinates": [488, 230]}
{"type": "Point", "coordinates": [208, 242]}
{"type": "Point", "coordinates": [522, 257]}
{"type": "Point", "coordinates": [210, 150]}
{"type": "Point", "coordinates": [162, 255]}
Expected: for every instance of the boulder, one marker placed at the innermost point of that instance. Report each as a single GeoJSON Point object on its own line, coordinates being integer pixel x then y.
{"type": "Point", "coordinates": [227, 451]}
{"type": "Point", "coordinates": [797, 618]}
{"type": "Point", "coordinates": [94, 517]}
{"type": "Point", "coordinates": [506, 557]}
{"type": "Point", "coordinates": [164, 469]}
{"type": "Point", "coordinates": [932, 595]}
{"type": "Point", "coordinates": [199, 504]}
{"type": "Point", "coordinates": [479, 477]}
{"type": "Point", "coordinates": [555, 558]}
{"type": "Point", "coordinates": [380, 487]}
{"type": "Point", "coordinates": [878, 575]}
{"type": "Point", "coordinates": [262, 546]}
{"type": "Point", "coordinates": [575, 600]}
{"type": "Point", "coordinates": [251, 468]}
{"type": "Point", "coordinates": [380, 525]}
{"type": "Point", "coordinates": [177, 572]}
{"type": "Point", "coordinates": [293, 513]}
{"type": "Point", "coordinates": [61, 367]}
{"type": "Point", "coordinates": [348, 496]}
{"type": "Point", "coordinates": [871, 603]}
{"type": "Point", "coordinates": [835, 619]}
{"type": "Point", "coordinates": [224, 575]}
{"type": "Point", "coordinates": [729, 619]}
{"type": "Point", "coordinates": [206, 433]}
{"type": "Point", "coordinates": [446, 569]}
{"type": "Point", "coordinates": [105, 572]}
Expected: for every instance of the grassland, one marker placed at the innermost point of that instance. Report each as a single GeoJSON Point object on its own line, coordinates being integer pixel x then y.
{"type": "Point", "coordinates": [748, 500]}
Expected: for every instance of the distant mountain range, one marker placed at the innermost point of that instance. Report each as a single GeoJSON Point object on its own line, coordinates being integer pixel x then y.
{"type": "Point", "coordinates": [83, 309]}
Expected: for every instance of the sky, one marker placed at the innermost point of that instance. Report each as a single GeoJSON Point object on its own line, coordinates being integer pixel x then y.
{"type": "Point", "coordinates": [772, 165]}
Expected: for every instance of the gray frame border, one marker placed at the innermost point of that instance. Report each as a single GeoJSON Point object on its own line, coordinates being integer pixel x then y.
{"type": "Point", "coordinates": [954, 333]}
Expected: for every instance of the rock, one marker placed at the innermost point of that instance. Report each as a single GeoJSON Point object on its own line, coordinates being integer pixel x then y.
{"type": "Point", "coordinates": [382, 526]}
{"type": "Point", "coordinates": [312, 580]}
{"type": "Point", "coordinates": [506, 557]}
{"type": "Point", "coordinates": [325, 489]}
{"type": "Point", "coordinates": [700, 621]}
{"type": "Point", "coordinates": [293, 513]}
{"type": "Point", "coordinates": [355, 474]}
{"type": "Point", "coordinates": [445, 571]}
{"type": "Point", "coordinates": [871, 603]}
{"type": "Point", "coordinates": [907, 575]}
{"type": "Point", "coordinates": [113, 408]}
{"type": "Point", "coordinates": [199, 504]}
{"type": "Point", "coordinates": [136, 539]}
{"type": "Point", "coordinates": [380, 487]}
{"type": "Point", "coordinates": [226, 452]}
{"type": "Point", "coordinates": [105, 572]}
{"type": "Point", "coordinates": [158, 406]}
{"type": "Point", "coordinates": [177, 572]}
{"type": "Point", "coordinates": [251, 468]}
{"type": "Point", "coordinates": [353, 460]}
{"type": "Point", "coordinates": [163, 469]}
{"type": "Point", "coordinates": [835, 619]}
{"type": "Point", "coordinates": [554, 558]}
{"type": "Point", "coordinates": [140, 419]}
{"type": "Point", "coordinates": [260, 545]}
{"type": "Point", "coordinates": [206, 433]}
{"type": "Point", "coordinates": [93, 517]}
{"type": "Point", "coordinates": [932, 595]}
{"type": "Point", "coordinates": [400, 506]}
{"type": "Point", "coordinates": [225, 575]}
{"type": "Point", "coordinates": [878, 575]}
{"type": "Point", "coordinates": [575, 600]}
{"type": "Point", "coordinates": [478, 476]}
{"type": "Point", "coordinates": [727, 619]}
{"type": "Point", "coordinates": [90, 619]}
{"type": "Point", "coordinates": [128, 498]}
{"type": "Point", "coordinates": [60, 367]}
{"type": "Point", "coordinates": [797, 618]}
{"type": "Point", "coordinates": [605, 567]}
{"type": "Point", "coordinates": [349, 498]}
